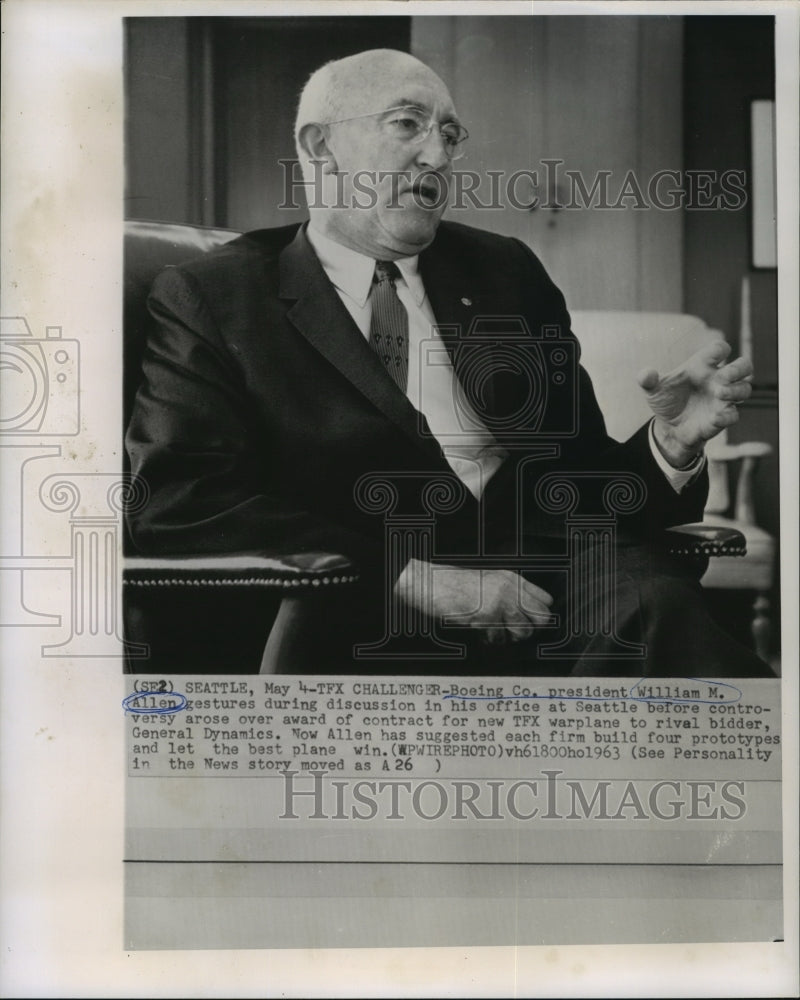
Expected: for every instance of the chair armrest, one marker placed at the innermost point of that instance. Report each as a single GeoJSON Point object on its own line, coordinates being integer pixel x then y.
{"type": "Point", "coordinates": [306, 569]}
{"type": "Point", "coordinates": [733, 452]}
{"type": "Point", "coordinates": [749, 452]}
{"type": "Point", "coordinates": [705, 540]}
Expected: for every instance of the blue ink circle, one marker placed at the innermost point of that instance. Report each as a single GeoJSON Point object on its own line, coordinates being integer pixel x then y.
{"type": "Point", "coordinates": [127, 703]}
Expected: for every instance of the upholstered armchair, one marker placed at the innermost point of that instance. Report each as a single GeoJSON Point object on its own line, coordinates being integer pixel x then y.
{"type": "Point", "coordinates": [215, 613]}
{"type": "Point", "coordinates": [202, 613]}
{"type": "Point", "coordinates": [617, 345]}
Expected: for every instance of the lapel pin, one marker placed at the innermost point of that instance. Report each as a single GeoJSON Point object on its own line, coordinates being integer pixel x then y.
{"type": "Point", "coordinates": [466, 302]}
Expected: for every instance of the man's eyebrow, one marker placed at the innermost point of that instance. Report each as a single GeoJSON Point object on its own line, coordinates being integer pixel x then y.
{"type": "Point", "coordinates": [405, 102]}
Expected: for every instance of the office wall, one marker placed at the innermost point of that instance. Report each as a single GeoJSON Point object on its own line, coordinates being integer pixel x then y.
{"type": "Point", "coordinates": [205, 131]}
{"type": "Point", "coordinates": [729, 62]}
{"type": "Point", "coordinates": [599, 94]}
{"type": "Point", "coordinates": [211, 104]}
{"type": "Point", "coordinates": [158, 140]}
{"type": "Point", "coordinates": [210, 110]}
{"type": "Point", "coordinates": [260, 66]}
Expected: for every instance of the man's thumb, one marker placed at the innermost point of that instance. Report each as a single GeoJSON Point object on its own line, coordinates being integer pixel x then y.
{"type": "Point", "coordinates": [648, 379]}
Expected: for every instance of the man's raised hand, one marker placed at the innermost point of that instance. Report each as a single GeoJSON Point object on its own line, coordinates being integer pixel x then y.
{"type": "Point", "coordinates": [696, 400]}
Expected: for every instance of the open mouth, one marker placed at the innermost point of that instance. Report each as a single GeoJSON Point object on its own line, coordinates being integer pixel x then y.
{"type": "Point", "coordinates": [428, 193]}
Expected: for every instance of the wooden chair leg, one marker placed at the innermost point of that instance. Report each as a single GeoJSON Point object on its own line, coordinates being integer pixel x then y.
{"type": "Point", "coordinates": [760, 626]}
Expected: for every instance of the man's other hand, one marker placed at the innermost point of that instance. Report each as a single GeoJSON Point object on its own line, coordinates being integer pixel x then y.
{"type": "Point", "coordinates": [696, 400]}
{"type": "Point", "coordinates": [501, 603]}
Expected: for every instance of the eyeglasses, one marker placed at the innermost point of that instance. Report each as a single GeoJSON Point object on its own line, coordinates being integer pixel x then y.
{"type": "Point", "coordinates": [411, 125]}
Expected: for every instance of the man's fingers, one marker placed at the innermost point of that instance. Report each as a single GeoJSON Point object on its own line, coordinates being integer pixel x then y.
{"type": "Point", "coordinates": [495, 636]}
{"type": "Point", "coordinates": [510, 621]}
{"type": "Point", "coordinates": [519, 631]}
{"type": "Point", "coordinates": [501, 635]}
{"type": "Point", "coordinates": [522, 622]}
{"type": "Point", "coordinates": [736, 371]}
{"type": "Point", "coordinates": [648, 379]}
{"type": "Point", "coordinates": [530, 594]}
{"type": "Point", "coordinates": [512, 612]}
{"type": "Point", "coordinates": [511, 608]}
{"type": "Point", "coordinates": [714, 353]}
{"type": "Point", "coordinates": [537, 613]}
{"type": "Point", "coordinates": [726, 417]}
{"type": "Point", "coordinates": [734, 393]}
{"type": "Point", "coordinates": [516, 627]}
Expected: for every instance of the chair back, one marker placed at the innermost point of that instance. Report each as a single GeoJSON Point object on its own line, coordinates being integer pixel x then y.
{"type": "Point", "coordinates": [616, 346]}
{"type": "Point", "coordinates": [150, 247]}
{"type": "Point", "coordinates": [181, 625]}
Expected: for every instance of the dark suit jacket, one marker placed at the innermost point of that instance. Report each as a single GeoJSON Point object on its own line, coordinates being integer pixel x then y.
{"type": "Point", "coordinates": [262, 405]}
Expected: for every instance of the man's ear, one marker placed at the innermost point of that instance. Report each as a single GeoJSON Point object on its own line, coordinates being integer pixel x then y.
{"type": "Point", "coordinates": [314, 143]}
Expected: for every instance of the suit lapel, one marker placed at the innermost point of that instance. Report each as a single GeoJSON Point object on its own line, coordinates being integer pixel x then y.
{"type": "Point", "coordinates": [457, 300]}
{"type": "Point", "coordinates": [320, 316]}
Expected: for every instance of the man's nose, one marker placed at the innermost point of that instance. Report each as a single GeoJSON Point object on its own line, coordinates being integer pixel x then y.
{"type": "Point", "coordinates": [433, 152]}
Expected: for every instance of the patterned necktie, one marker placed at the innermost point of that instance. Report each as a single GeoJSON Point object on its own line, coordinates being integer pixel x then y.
{"type": "Point", "coordinates": [388, 331]}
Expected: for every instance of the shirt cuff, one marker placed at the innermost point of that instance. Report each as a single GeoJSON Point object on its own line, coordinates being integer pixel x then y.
{"type": "Point", "coordinates": [677, 478]}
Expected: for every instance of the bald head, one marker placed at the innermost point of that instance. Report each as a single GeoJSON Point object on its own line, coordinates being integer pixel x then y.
{"type": "Point", "coordinates": [357, 85]}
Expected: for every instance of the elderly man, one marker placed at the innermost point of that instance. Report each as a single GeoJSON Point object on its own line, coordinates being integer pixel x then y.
{"type": "Point", "coordinates": [290, 365]}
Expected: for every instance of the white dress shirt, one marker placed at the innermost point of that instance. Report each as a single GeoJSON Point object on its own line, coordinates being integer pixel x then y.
{"type": "Point", "coordinates": [469, 447]}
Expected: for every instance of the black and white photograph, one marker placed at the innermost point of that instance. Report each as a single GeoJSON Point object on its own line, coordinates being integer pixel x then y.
{"type": "Point", "coordinates": [399, 453]}
{"type": "Point", "coordinates": [553, 429]}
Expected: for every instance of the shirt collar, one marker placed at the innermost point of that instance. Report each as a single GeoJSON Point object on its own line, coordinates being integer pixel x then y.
{"type": "Point", "coordinates": [351, 272]}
